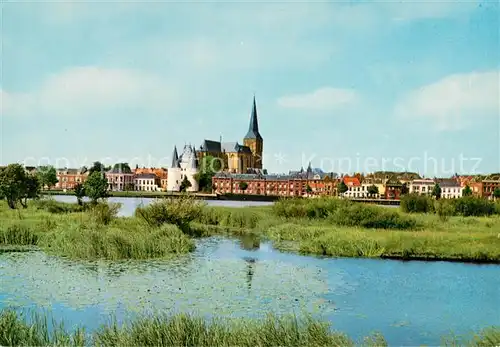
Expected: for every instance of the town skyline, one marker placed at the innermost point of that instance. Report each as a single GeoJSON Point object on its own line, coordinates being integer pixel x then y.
{"type": "Point", "coordinates": [326, 89]}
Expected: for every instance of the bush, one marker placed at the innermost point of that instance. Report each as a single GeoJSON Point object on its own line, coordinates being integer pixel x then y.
{"type": "Point", "coordinates": [472, 206]}
{"type": "Point", "coordinates": [103, 213]}
{"type": "Point", "coordinates": [178, 211]}
{"type": "Point", "coordinates": [415, 203]}
{"type": "Point", "coordinates": [52, 206]}
{"type": "Point", "coordinates": [343, 212]}
{"type": "Point", "coordinates": [444, 209]}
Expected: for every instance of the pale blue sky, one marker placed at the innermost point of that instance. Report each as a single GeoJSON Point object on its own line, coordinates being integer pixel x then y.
{"type": "Point", "coordinates": [358, 80]}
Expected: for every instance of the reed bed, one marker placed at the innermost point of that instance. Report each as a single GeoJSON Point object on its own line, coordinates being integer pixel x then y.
{"type": "Point", "coordinates": [191, 330]}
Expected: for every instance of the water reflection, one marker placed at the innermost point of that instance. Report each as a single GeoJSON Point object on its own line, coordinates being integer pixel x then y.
{"type": "Point", "coordinates": [250, 242]}
{"type": "Point", "coordinates": [250, 270]}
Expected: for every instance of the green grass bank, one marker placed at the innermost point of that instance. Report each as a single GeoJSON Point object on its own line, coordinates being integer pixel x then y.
{"type": "Point", "coordinates": [328, 227]}
{"type": "Point", "coordinates": [189, 330]}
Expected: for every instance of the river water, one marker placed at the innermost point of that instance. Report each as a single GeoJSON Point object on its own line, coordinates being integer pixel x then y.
{"type": "Point", "coordinates": [411, 303]}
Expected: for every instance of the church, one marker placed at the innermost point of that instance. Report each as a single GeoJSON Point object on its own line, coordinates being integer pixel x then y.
{"type": "Point", "coordinates": [236, 157]}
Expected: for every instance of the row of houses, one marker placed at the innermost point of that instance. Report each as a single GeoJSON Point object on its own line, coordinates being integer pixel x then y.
{"type": "Point", "coordinates": [310, 182]}
{"type": "Point", "coordinates": [379, 185]}
{"type": "Point", "coordinates": [139, 179]}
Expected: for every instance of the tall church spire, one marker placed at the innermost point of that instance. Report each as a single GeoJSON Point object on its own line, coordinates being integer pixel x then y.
{"type": "Point", "coordinates": [175, 159]}
{"type": "Point", "coordinates": [253, 128]}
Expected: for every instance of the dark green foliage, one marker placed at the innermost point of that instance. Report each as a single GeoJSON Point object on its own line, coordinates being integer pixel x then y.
{"type": "Point", "coordinates": [243, 185]}
{"type": "Point", "coordinates": [404, 189]}
{"type": "Point", "coordinates": [343, 212]}
{"type": "Point", "coordinates": [308, 189]}
{"type": "Point", "coordinates": [470, 206]}
{"type": "Point", "coordinates": [372, 190]}
{"type": "Point", "coordinates": [52, 206]}
{"type": "Point", "coordinates": [185, 184]}
{"type": "Point", "coordinates": [467, 191]}
{"type": "Point", "coordinates": [79, 193]}
{"type": "Point", "coordinates": [47, 176]}
{"type": "Point", "coordinates": [96, 167]}
{"type": "Point", "coordinates": [104, 213]}
{"type": "Point", "coordinates": [16, 186]}
{"type": "Point", "coordinates": [208, 168]}
{"type": "Point", "coordinates": [436, 191]}
{"type": "Point", "coordinates": [496, 193]}
{"type": "Point", "coordinates": [122, 167]}
{"type": "Point", "coordinates": [178, 211]}
{"type": "Point", "coordinates": [342, 187]}
{"type": "Point", "coordinates": [96, 186]}
{"type": "Point", "coordinates": [415, 203]}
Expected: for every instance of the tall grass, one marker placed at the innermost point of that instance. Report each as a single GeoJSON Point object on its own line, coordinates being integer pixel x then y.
{"type": "Point", "coordinates": [466, 206]}
{"type": "Point", "coordinates": [190, 330]}
{"type": "Point", "coordinates": [344, 213]}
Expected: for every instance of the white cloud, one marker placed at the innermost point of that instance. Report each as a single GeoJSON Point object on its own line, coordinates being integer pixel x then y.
{"type": "Point", "coordinates": [455, 101]}
{"type": "Point", "coordinates": [323, 99]}
{"type": "Point", "coordinates": [91, 91]}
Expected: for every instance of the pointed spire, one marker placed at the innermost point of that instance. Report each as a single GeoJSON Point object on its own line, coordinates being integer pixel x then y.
{"type": "Point", "coordinates": [253, 128]}
{"type": "Point", "coordinates": [175, 159]}
{"type": "Point", "coordinates": [309, 168]}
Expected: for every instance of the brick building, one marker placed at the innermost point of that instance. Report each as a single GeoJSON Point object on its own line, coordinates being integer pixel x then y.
{"type": "Point", "coordinates": [69, 178]}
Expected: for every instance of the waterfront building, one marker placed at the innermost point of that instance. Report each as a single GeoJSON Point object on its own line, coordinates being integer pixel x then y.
{"type": "Point", "coordinates": [488, 187]}
{"type": "Point", "coordinates": [161, 173]}
{"type": "Point", "coordinates": [120, 178]}
{"type": "Point", "coordinates": [422, 186]}
{"type": "Point", "coordinates": [393, 187]}
{"type": "Point", "coordinates": [450, 188]}
{"type": "Point", "coordinates": [147, 182]}
{"type": "Point", "coordinates": [183, 167]}
{"type": "Point", "coordinates": [236, 157]}
{"type": "Point", "coordinates": [69, 178]}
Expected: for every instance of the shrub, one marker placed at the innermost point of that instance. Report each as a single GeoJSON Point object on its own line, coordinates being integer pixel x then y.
{"type": "Point", "coordinates": [415, 203]}
{"type": "Point", "coordinates": [103, 213]}
{"type": "Point", "coordinates": [52, 206]}
{"type": "Point", "coordinates": [178, 211]}
{"type": "Point", "coordinates": [472, 206]}
{"type": "Point", "coordinates": [444, 209]}
{"type": "Point", "coordinates": [343, 212]}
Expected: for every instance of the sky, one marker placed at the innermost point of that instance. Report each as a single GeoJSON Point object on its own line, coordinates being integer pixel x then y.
{"type": "Point", "coordinates": [349, 86]}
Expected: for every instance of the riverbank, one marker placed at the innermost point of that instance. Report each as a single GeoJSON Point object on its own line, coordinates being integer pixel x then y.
{"type": "Point", "coordinates": [326, 227]}
{"type": "Point", "coordinates": [189, 330]}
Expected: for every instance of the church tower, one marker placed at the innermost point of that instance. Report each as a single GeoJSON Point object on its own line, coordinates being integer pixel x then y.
{"type": "Point", "coordinates": [254, 140]}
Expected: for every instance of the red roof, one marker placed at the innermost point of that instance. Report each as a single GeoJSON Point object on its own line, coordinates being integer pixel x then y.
{"type": "Point", "coordinates": [351, 181]}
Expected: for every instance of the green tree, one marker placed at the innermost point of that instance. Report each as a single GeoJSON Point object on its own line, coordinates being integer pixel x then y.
{"type": "Point", "coordinates": [96, 166]}
{"type": "Point", "coordinates": [467, 191]}
{"type": "Point", "coordinates": [47, 176]}
{"type": "Point", "coordinates": [372, 190]}
{"type": "Point", "coordinates": [404, 189]}
{"type": "Point", "coordinates": [96, 186]}
{"type": "Point", "coordinates": [496, 193]}
{"type": "Point", "coordinates": [436, 191]}
{"type": "Point", "coordinates": [243, 186]}
{"type": "Point", "coordinates": [342, 188]}
{"type": "Point", "coordinates": [79, 193]}
{"type": "Point", "coordinates": [122, 167]}
{"type": "Point", "coordinates": [308, 189]}
{"type": "Point", "coordinates": [209, 167]}
{"type": "Point", "coordinates": [185, 184]}
{"type": "Point", "coordinates": [17, 186]}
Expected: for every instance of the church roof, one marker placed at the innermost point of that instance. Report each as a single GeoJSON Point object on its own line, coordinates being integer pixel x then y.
{"type": "Point", "coordinates": [234, 147]}
{"type": "Point", "coordinates": [210, 146]}
{"type": "Point", "coordinates": [175, 159]}
{"type": "Point", "coordinates": [253, 128]}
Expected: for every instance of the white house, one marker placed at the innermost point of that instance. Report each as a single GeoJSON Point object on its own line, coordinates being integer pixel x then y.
{"type": "Point", "coordinates": [185, 166]}
{"type": "Point", "coordinates": [450, 189]}
{"type": "Point", "coordinates": [148, 182]}
{"type": "Point", "coordinates": [422, 186]}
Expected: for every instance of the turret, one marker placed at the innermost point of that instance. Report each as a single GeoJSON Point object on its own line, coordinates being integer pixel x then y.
{"type": "Point", "coordinates": [253, 139]}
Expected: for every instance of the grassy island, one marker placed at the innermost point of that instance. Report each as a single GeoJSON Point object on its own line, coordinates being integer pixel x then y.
{"type": "Point", "coordinates": [325, 226]}
{"type": "Point", "coordinates": [188, 330]}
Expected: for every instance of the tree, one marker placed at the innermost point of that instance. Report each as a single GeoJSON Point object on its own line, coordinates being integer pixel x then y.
{"type": "Point", "coordinates": [372, 190]}
{"type": "Point", "coordinates": [342, 188]}
{"type": "Point", "coordinates": [96, 186]}
{"type": "Point", "coordinates": [496, 193]}
{"type": "Point", "coordinates": [209, 167]}
{"type": "Point", "coordinates": [79, 193]}
{"type": "Point", "coordinates": [122, 167]}
{"type": "Point", "coordinates": [47, 176]}
{"type": "Point", "coordinates": [436, 191]}
{"type": "Point", "coordinates": [32, 189]}
{"type": "Point", "coordinates": [96, 166]}
{"type": "Point", "coordinates": [17, 186]}
{"type": "Point", "coordinates": [404, 189]}
{"type": "Point", "coordinates": [185, 184]}
{"type": "Point", "coordinates": [308, 189]}
{"type": "Point", "coordinates": [467, 191]}
{"type": "Point", "coordinates": [243, 186]}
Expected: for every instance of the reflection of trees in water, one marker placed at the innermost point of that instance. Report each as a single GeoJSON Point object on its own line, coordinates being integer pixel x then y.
{"type": "Point", "coordinates": [250, 270]}
{"type": "Point", "coordinates": [250, 242]}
